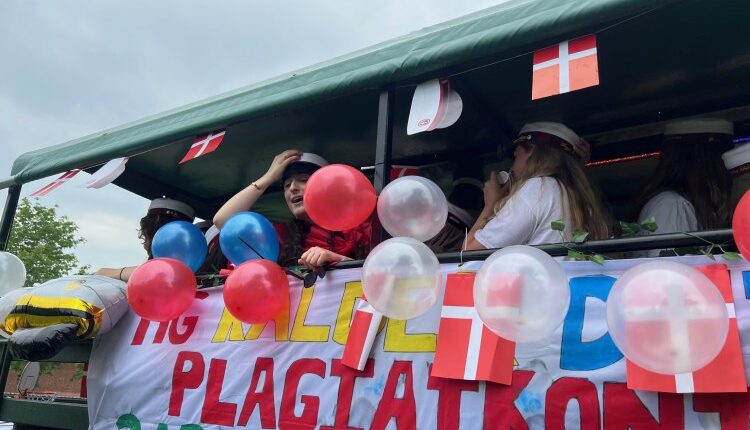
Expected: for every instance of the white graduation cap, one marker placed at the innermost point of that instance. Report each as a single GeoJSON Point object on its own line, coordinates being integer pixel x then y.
{"type": "Point", "coordinates": [451, 107]}
{"type": "Point", "coordinates": [107, 173]}
{"type": "Point", "coordinates": [434, 105]}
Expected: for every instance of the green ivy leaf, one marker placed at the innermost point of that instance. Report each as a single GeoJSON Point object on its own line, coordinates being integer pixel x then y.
{"type": "Point", "coordinates": [649, 224]}
{"type": "Point", "coordinates": [629, 229]}
{"type": "Point", "coordinates": [579, 236]}
{"type": "Point", "coordinates": [597, 258]}
{"type": "Point", "coordinates": [558, 225]}
{"type": "Point", "coordinates": [708, 254]}
{"type": "Point", "coordinates": [578, 255]}
{"type": "Point", "coordinates": [731, 256]}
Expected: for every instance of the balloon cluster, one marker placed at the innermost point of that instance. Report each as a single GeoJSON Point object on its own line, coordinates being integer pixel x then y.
{"type": "Point", "coordinates": [401, 276]}
{"type": "Point", "coordinates": [664, 316]}
{"type": "Point", "coordinates": [256, 291]}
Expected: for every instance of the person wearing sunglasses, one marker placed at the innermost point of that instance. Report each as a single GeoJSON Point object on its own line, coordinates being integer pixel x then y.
{"type": "Point", "coordinates": [547, 183]}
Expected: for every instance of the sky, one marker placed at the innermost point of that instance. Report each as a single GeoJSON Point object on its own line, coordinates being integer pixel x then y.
{"type": "Point", "coordinates": [76, 67]}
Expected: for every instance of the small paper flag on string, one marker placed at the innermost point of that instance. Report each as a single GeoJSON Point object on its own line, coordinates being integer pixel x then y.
{"type": "Point", "coordinates": [55, 184]}
{"type": "Point", "coordinates": [362, 334]}
{"type": "Point", "coordinates": [568, 66]}
{"type": "Point", "coordinates": [204, 145]}
{"type": "Point", "coordinates": [434, 105]}
{"type": "Point", "coordinates": [106, 174]}
{"type": "Point", "coordinates": [466, 348]}
{"type": "Point", "coordinates": [725, 374]}
{"type": "Point", "coordinates": [399, 171]}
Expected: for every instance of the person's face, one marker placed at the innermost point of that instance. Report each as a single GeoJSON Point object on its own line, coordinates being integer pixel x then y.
{"type": "Point", "coordinates": [294, 189]}
{"type": "Point", "coordinates": [521, 155]}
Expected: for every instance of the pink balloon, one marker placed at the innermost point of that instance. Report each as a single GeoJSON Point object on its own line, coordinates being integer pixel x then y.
{"type": "Point", "coordinates": [161, 289]}
{"type": "Point", "coordinates": [339, 197]}
{"type": "Point", "coordinates": [256, 291]}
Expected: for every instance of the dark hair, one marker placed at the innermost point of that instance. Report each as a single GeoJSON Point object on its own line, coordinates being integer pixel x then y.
{"type": "Point", "coordinates": [468, 197]}
{"type": "Point", "coordinates": [691, 166]}
{"type": "Point", "coordinates": [152, 222]}
{"type": "Point", "coordinates": [294, 238]}
{"type": "Point", "coordinates": [215, 259]}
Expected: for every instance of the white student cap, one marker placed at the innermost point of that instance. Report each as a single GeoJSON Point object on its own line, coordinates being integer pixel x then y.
{"type": "Point", "coordinates": [737, 157]}
{"type": "Point", "coordinates": [699, 126]}
{"type": "Point", "coordinates": [211, 234]}
{"type": "Point", "coordinates": [578, 147]}
{"type": "Point", "coordinates": [307, 163]}
{"type": "Point", "coordinates": [173, 205]}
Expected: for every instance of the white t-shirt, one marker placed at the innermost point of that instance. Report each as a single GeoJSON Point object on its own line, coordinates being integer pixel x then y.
{"type": "Point", "coordinates": [672, 212]}
{"type": "Point", "coordinates": [526, 218]}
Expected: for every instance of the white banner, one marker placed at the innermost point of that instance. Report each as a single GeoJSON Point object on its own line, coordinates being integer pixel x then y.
{"type": "Point", "coordinates": [207, 370]}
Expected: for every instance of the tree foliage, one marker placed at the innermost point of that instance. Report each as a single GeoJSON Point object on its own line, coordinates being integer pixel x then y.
{"type": "Point", "coordinates": [44, 242]}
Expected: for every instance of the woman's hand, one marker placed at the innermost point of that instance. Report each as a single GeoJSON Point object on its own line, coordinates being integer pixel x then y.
{"type": "Point", "coordinates": [280, 163]}
{"type": "Point", "coordinates": [493, 191]}
{"type": "Point", "coordinates": [317, 257]}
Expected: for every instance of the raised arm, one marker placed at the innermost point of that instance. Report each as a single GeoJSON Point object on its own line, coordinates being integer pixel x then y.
{"type": "Point", "coordinates": [245, 199]}
{"type": "Point", "coordinates": [493, 192]}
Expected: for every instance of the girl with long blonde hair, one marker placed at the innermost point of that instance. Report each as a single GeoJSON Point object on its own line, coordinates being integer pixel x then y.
{"type": "Point", "coordinates": [547, 184]}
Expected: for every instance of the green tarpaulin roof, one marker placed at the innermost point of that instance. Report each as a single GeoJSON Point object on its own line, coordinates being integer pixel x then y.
{"type": "Point", "coordinates": [657, 59]}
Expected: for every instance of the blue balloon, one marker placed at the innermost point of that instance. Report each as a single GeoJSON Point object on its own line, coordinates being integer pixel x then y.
{"type": "Point", "coordinates": [182, 241]}
{"type": "Point", "coordinates": [249, 236]}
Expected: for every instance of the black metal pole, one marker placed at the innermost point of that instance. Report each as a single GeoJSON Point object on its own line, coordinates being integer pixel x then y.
{"type": "Point", "coordinates": [11, 203]}
{"type": "Point", "coordinates": [383, 146]}
{"type": "Point", "coordinates": [656, 241]}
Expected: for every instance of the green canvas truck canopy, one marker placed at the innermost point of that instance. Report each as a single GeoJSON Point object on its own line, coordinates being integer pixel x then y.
{"type": "Point", "coordinates": [658, 59]}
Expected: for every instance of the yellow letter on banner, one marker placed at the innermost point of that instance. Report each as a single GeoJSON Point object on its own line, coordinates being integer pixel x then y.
{"type": "Point", "coordinates": [228, 326]}
{"type": "Point", "coordinates": [397, 340]}
{"type": "Point", "coordinates": [352, 290]}
{"type": "Point", "coordinates": [307, 333]}
{"type": "Point", "coordinates": [281, 327]}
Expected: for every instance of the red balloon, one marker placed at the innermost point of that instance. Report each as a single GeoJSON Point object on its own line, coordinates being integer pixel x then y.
{"type": "Point", "coordinates": [339, 197]}
{"type": "Point", "coordinates": [256, 291]}
{"type": "Point", "coordinates": [741, 225]}
{"type": "Point", "coordinates": [161, 289]}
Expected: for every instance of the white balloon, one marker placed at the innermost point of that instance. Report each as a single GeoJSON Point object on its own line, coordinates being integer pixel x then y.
{"type": "Point", "coordinates": [667, 317]}
{"type": "Point", "coordinates": [401, 278]}
{"type": "Point", "coordinates": [521, 293]}
{"type": "Point", "coordinates": [7, 303]}
{"type": "Point", "coordinates": [412, 206]}
{"type": "Point", "coordinates": [12, 273]}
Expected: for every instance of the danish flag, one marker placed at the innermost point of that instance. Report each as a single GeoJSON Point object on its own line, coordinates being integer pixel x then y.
{"type": "Point", "coordinates": [56, 183]}
{"type": "Point", "coordinates": [726, 373]}
{"type": "Point", "coordinates": [362, 333]}
{"type": "Point", "coordinates": [565, 67]}
{"type": "Point", "coordinates": [400, 171]}
{"type": "Point", "coordinates": [466, 348]}
{"type": "Point", "coordinates": [204, 145]}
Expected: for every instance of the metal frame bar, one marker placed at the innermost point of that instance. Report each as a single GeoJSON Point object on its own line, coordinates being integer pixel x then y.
{"type": "Point", "coordinates": [383, 153]}
{"type": "Point", "coordinates": [11, 203]}
{"type": "Point", "coordinates": [656, 241]}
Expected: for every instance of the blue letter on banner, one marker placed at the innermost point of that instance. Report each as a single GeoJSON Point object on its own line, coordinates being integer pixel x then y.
{"type": "Point", "coordinates": [575, 354]}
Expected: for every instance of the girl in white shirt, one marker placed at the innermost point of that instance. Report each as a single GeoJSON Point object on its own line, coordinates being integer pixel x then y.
{"type": "Point", "coordinates": [690, 189]}
{"type": "Point", "coordinates": [547, 184]}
